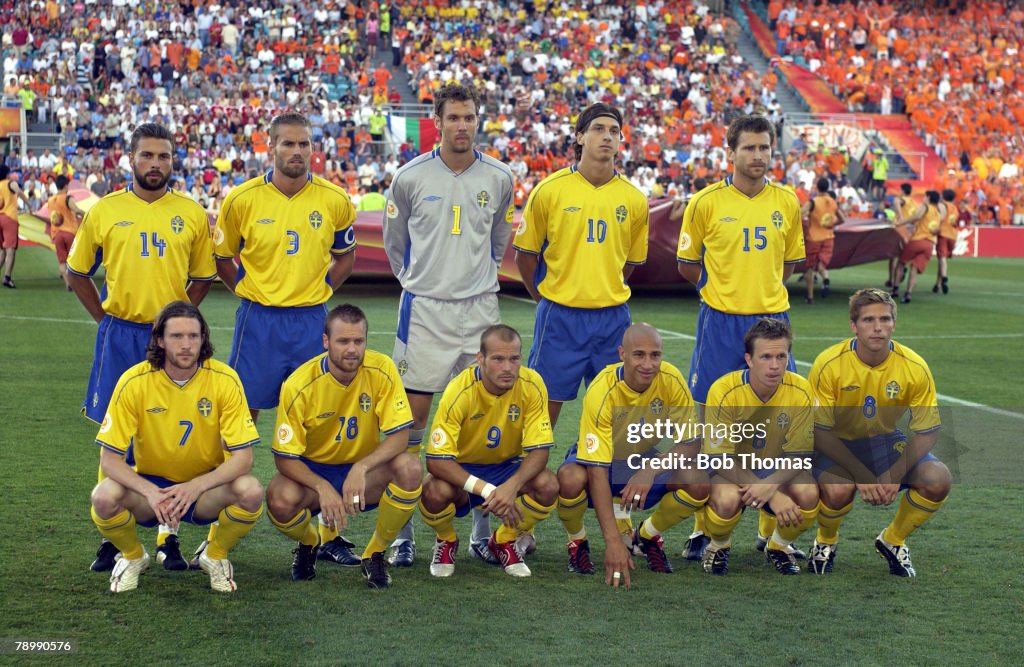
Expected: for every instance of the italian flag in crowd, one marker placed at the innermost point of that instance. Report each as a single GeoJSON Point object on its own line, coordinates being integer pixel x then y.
{"type": "Point", "coordinates": [420, 133]}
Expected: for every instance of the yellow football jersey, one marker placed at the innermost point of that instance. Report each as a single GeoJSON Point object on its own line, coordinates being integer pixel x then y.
{"type": "Point", "coordinates": [610, 407]}
{"type": "Point", "coordinates": [324, 421]}
{"type": "Point", "coordinates": [285, 244]}
{"type": "Point", "coordinates": [149, 251]}
{"type": "Point", "coordinates": [585, 236]}
{"type": "Point", "coordinates": [178, 432]}
{"type": "Point", "coordinates": [783, 425]}
{"type": "Point", "coordinates": [742, 245]}
{"type": "Point", "coordinates": [857, 401]}
{"type": "Point", "coordinates": [472, 425]}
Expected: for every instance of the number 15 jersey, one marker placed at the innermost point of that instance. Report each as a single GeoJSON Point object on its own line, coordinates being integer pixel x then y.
{"type": "Point", "coordinates": [743, 244]}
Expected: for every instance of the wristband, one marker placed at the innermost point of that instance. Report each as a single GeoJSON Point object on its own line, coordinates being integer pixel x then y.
{"type": "Point", "coordinates": [488, 489]}
{"type": "Point", "coordinates": [478, 487]}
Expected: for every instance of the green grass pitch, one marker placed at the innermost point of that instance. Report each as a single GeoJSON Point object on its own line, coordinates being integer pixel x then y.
{"type": "Point", "coordinates": [963, 606]}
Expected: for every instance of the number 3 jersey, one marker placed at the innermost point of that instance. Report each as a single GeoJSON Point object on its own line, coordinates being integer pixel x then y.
{"type": "Point", "coordinates": [857, 401]}
{"type": "Point", "coordinates": [584, 235]}
{"type": "Point", "coordinates": [178, 432]}
{"type": "Point", "coordinates": [743, 245]}
{"type": "Point", "coordinates": [473, 425]}
{"type": "Point", "coordinates": [150, 251]}
{"type": "Point", "coordinates": [322, 420]}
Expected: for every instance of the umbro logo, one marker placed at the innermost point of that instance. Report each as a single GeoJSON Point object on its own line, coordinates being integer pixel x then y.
{"type": "Point", "coordinates": [156, 410]}
{"type": "Point", "coordinates": [124, 223]}
{"type": "Point", "coordinates": [325, 415]}
{"type": "Point", "coordinates": [850, 387]}
{"type": "Point", "coordinates": [727, 219]}
{"type": "Point", "coordinates": [572, 209]}
{"type": "Point", "coordinates": [265, 221]}
{"type": "Point", "coordinates": [432, 198]}
{"type": "Point", "coordinates": [478, 415]}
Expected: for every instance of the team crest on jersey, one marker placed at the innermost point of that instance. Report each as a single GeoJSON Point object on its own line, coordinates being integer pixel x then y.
{"type": "Point", "coordinates": [684, 241]}
{"type": "Point", "coordinates": [620, 214]}
{"type": "Point", "coordinates": [218, 236]}
{"type": "Point", "coordinates": [316, 220]}
{"type": "Point", "coordinates": [157, 410]}
{"type": "Point", "coordinates": [205, 406]}
{"type": "Point", "coordinates": [403, 367]}
{"type": "Point", "coordinates": [284, 434]}
{"type": "Point", "coordinates": [592, 443]}
{"type": "Point", "coordinates": [892, 389]}
{"type": "Point", "coordinates": [522, 227]}
{"type": "Point", "coordinates": [513, 413]}
{"type": "Point", "coordinates": [365, 402]}
{"type": "Point", "coordinates": [657, 405]}
{"type": "Point", "coordinates": [106, 423]}
{"type": "Point", "coordinates": [437, 439]}
{"type": "Point", "coordinates": [391, 209]}
{"type": "Point", "coordinates": [124, 223]}
{"type": "Point", "coordinates": [177, 224]}
{"type": "Point", "coordinates": [777, 219]}
{"type": "Point", "coordinates": [483, 199]}
{"type": "Point", "coordinates": [782, 420]}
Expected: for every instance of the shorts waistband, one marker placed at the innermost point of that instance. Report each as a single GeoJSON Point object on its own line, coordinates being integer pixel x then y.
{"type": "Point", "coordinates": [295, 310]}
{"type": "Point", "coordinates": [128, 323]}
{"type": "Point", "coordinates": [574, 309]}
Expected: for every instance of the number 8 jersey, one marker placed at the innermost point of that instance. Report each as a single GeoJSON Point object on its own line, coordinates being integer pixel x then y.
{"type": "Point", "coordinates": [855, 401]}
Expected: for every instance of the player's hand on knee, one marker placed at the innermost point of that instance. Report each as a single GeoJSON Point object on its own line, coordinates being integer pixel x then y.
{"type": "Point", "coordinates": [332, 509]}
{"type": "Point", "coordinates": [871, 493]}
{"type": "Point", "coordinates": [353, 492]}
{"type": "Point", "coordinates": [787, 512]}
{"type": "Point", "coordinates": [502, 502]}
{"type": "Point", "coordinates": [634, 494]}
{"type": "Point", "coordinates": [888, 492]}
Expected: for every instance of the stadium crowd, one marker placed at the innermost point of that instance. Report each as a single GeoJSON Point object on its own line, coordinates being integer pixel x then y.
{"type": "Point", "coordinates": [216, 72]}
{"type": "Point", "coordinates": [949, 66]}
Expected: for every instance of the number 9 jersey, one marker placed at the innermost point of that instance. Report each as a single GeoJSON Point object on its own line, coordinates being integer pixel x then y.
{"type": "Point", "coordinates": [474, 426]}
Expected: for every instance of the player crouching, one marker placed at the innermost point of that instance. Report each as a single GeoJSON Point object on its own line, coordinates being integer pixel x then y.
{"type": "Point", "coordinates": [330, 459]}
{"type": "Point", "coordinates": [489, 448]}
{"type": "Point", "coordinates": [181, 409]}
{"type": "Point", "coordinates": [760, 421]}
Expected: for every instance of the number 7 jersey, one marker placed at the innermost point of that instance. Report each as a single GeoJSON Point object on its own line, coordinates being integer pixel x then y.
{"type": "Point", "coordinates": [743, 245]}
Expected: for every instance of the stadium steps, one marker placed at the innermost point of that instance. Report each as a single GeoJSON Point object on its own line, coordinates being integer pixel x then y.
{"type": "Point", "coordinates": [900, 135]}
{"type": "Point", "coordinates": [399, 77]}
{"type": "Point", "coordinates": [754, 54]}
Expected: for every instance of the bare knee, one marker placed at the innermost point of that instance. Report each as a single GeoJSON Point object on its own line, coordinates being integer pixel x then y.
{"type": "Point", "coordinates": [572, 480]}
{"type": "Point", "coordinates": [248, 493]}
{"type": "Point", "coordinates": [283, 497]}
{"type": "Point", "coordinates": [725, 500]}
{"type": "Point", "coordinates": [804, 495]}
{"type": "Point", "coordinates": [107, 497]}
{"type": "Point", "coordinates": [408, 474]}
{"type": "Point", "coordinates": [545, 487]}
{"type": "Point", "coordinates": [836, 495]}
{"type": "Point", "coordinates": [437, 494]}
{"type": "Point", "coordinates": [933, 481]}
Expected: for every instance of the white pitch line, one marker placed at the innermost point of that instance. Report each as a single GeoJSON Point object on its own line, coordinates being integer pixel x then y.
{"type": "Point", "coordinates": [942, 397]}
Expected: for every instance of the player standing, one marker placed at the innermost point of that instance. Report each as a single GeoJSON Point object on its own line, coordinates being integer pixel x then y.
{"type": "Point", "coordinates": [65, 216]}
{"type": "Point", "coordinates": [155, 246]}
{"type": "Point", "coordinates": [10, 193]}
{"type": "Point", "coordinates": [292, 231]}
{"type": "Point", "coordinates": [824, 214]}
{"type": "Point", "coordinates": [740, 241]}
{"type": "Point", "coordinates": [446, 228]}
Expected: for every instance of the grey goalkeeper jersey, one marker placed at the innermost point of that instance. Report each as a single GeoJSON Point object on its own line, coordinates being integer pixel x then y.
{"type": "Point", "coordinates": [445, 233]}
